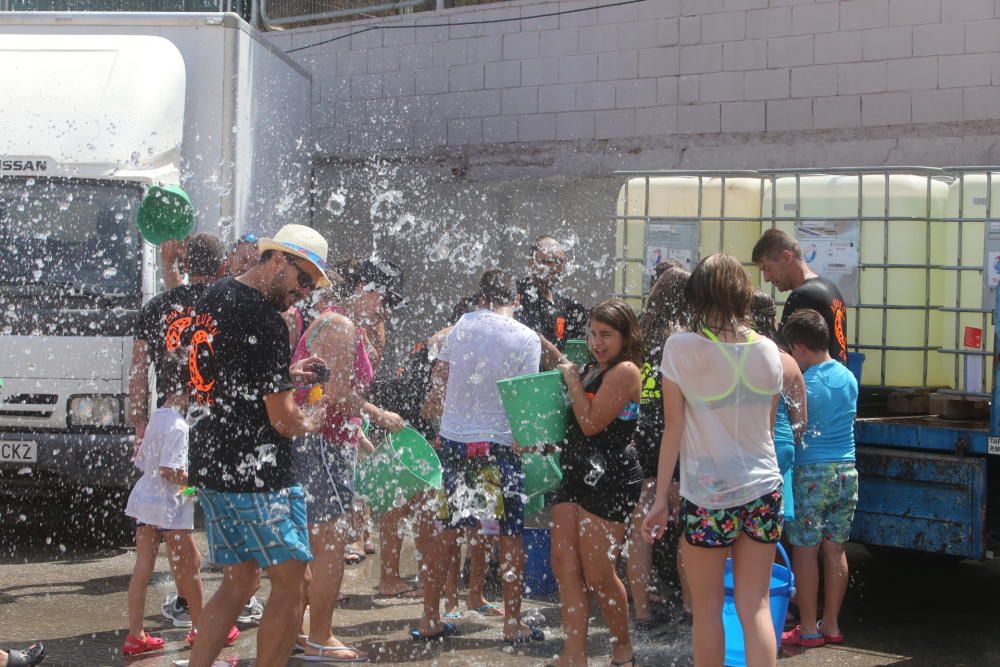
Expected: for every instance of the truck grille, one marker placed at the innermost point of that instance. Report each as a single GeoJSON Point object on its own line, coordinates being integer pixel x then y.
{"type": "Point", "coordinates": [28, 405]}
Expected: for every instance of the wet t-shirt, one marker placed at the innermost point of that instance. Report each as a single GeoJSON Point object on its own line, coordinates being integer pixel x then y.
{"type": "Point", "coordinates": [822, 296]}
{"type": "Point", "coordinates": [238, 355]}
{"type": "Point", "coordinates": [163, 324]}
{"type": "Point", "coordinates": [558, 320]}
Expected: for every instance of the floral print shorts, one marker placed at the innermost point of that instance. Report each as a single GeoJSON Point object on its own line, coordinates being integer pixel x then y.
{"type": "Point", "coordinates": [760, 519]}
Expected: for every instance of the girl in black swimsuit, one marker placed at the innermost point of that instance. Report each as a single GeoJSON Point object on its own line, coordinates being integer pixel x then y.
{"type": "Point", "coordinates": [601, 482]}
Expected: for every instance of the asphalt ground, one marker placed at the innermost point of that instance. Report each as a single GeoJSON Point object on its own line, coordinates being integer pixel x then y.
{"type": "Point", "coordinates": [899, 611]}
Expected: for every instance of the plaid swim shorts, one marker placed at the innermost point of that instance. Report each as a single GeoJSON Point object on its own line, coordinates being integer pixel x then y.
{"type": "Point", "coordinates": [269, 528]}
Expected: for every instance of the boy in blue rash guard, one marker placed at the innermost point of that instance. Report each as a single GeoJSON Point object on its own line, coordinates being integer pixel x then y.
{"type": "Point", "coordinates": [826, 481]}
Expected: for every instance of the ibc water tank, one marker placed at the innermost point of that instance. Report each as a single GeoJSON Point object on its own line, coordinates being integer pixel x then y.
{"type": "Point", "coordinates": [968, 240]}
{"type": "Point", "coordinates": [681, 218]}
{"type": "Point", "coordinates": [886, 279]}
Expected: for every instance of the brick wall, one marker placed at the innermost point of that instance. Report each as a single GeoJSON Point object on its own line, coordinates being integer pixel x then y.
{"type": "Point", "coordinates": [654, 69]}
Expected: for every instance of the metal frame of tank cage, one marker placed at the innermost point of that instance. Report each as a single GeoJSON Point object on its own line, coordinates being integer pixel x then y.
{"type": "Point", "coordinates": [950, 174]}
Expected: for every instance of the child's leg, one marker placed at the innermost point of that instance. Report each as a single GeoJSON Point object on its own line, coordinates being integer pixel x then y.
{"type": "Point", "coordinates": [704, 568]}
{"type": "Point", "coordinates": [600, 542]}
{"type": "Point", "coordinates": [147, 543]}
{"type": "Point", "coordinates": [805, 564]}
{"type": "Point", "coordinates": [479, 547]}
{"type": "Point", "coordinates": [752, 577]}
{"type": "Point", "coordinates": [185, 565]}
{"type": "Point", "coordinates": [640, 554]}
{"type": "Point", "coordinates": [574, 599]}
{"type": "Point", "coordinates": [835, 574]}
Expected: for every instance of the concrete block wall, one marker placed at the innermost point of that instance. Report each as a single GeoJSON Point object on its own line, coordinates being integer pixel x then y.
{"type": "Point", "coordinates": [653, 69]}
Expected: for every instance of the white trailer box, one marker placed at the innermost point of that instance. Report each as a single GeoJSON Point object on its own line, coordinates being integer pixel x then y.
{"type": "Point", "coordinates": [97, 106]}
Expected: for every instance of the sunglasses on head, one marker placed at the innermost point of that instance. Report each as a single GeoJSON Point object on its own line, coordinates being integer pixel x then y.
{"type": "Point", "coordinates": [247, 238]}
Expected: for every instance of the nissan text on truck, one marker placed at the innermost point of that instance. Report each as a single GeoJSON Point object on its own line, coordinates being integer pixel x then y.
{"type": "Point", "coordinates": [97, 107]}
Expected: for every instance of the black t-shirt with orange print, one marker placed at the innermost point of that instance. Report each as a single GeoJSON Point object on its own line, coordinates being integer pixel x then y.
{"type": "Point", "coordinates": [822, 296]}
{"type": "Point", "coordinates": [238, 355]}
{"type": "Point", "coordinates": [163, 324]}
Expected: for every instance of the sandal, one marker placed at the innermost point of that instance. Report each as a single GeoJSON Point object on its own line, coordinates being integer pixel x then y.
{"type": "Point", "coordinates": [796, 637]}
{"type": "Point", "coordinates": [830, 639]}
{"type": "Point", "coordinates": [352, 557]}
{"type": "Point", "coordinates": [359, 656]}
{"type": "Point", "coordinates": [370, 548]}
{"type": "Point", "coordinates": [135, 646]}
{"type": "Point", "coordinates": [234, 634]}
{"type": "Point", "coordinates": [411, 592]}
{"type": "Point", "coordinates": [26, 657]}
{"type": "Point", "coordinates": [535, 635]}
{"type": "Point", "coordinates": [490, 609]}
{"type": "Point", "coordinates": [631, 661]}
{"type": "Point", "coordinates": [447, 630]}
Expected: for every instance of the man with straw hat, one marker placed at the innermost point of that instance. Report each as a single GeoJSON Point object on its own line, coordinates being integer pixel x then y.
{"type": "Point", "coordinates": [241, 450]}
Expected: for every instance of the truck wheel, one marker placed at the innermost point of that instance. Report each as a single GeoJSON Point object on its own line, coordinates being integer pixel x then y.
{"type": "Point", "coordinates": [911, 556]}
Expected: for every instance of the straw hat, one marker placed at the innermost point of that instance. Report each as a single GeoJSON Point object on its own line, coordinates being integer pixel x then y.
{"type": "Point", "coordinates": [303, 242]}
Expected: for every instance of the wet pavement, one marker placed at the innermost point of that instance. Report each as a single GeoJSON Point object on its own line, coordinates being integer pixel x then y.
{"type": "Point", "coordinates": [898, 612]}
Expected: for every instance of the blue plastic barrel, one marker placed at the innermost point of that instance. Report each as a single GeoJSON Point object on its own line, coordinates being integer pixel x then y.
{"type": "Point", "coordinates": [538, 577]}
{"type": "Point", "coordinates": [855, 363]}
{"type": "Point", "coordinates": [782, 589]}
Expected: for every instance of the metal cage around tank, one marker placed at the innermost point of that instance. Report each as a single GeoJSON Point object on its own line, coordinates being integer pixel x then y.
{"type": "Point", "coordinates": [928, 252]}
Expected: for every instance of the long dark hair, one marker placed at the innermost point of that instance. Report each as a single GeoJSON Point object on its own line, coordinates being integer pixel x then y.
{"type": "Point", "coordinates": [619, 316]}
{"type": "Point", "coordinates": [719, 294]}
{"type": "Point", "coordinates": [666, 308]}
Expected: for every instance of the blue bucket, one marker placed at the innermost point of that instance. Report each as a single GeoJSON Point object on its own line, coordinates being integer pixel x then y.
{"type": "Point", "coordinates": [538, 577]}
{"type": "Point", "coordinates": [782, 589]}
{"type": "Point", "coordinates": [855, 362]}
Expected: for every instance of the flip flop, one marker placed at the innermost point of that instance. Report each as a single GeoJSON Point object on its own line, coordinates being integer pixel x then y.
{"type": "Point", "coordinates": [370, 548]}
{"type": "Point", "coordinates": [411, 592]}
{"type": "Point", "coordinates": [830, 639]}
{"type": "Point", "coordinates": [27, 657]}
{"type": "Point", "coordinates": [324, 650]}
{"type": "Point", "coordinates": [453, 615]}
{"type": "Point", "coordinates": [352, 557]}
{"type": "Point", "coordinates": [490, 609]}
{"type": "Point", "coordinates": [447, 630]}
{"type": "Point", "coordinates": [535, 635]}
{"type": "Point", "coordinates": [796, 637]}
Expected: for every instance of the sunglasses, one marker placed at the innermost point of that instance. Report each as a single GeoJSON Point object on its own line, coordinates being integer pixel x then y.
{"type": "Point", "coordinates": [247, 238]}
{"type": "Point", "coordinates": [306, 281]}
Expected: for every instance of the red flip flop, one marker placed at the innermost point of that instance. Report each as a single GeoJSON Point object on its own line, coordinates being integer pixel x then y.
{"type": "Point", "coordinates": [830, 639]}
{"type": "Point", "coordinates": [796, 637]}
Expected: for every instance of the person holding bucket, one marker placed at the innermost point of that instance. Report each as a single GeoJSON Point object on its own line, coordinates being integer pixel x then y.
{"type": "Point", "coordinates": [721, 384]}
{"type": "Point", "coordinates": [481, 469]}
{"type": "Point", "coordinates": [325, 462]}
{"type": "Point", "coordinates": [665, 314]}
{"type": "Point", "coordinates": [601, 483]}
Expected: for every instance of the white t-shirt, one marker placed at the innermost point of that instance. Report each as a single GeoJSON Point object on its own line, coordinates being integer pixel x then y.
{"type": "Point", "coordinates": [727, 451]}
{"type": "Point", "coordinates": [482, 348]}
{"type": "Point", "coordinates": [154, 500]}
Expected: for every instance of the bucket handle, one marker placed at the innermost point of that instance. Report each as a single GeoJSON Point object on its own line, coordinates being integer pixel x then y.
{"type": "Point", "coordinates": [788, 565]}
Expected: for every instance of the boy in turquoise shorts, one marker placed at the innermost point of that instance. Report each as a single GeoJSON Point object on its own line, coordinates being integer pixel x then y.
{"type": "Point", "coordinates": [825, 481]}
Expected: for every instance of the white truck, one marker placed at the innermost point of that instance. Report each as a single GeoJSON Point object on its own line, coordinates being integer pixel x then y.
{"type": "Point", "coordinates": [97, 107]}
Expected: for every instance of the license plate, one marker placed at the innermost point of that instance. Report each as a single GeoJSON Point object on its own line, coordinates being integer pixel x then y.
{"type": "Point", "coordinates": [18, 451]}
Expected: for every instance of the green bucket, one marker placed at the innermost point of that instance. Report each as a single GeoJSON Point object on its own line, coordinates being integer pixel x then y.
{"type": "Point", "coordinates": [165, 213]}
{"type": "Point", "coordinates": [536, 407]}
{"type": "Point", "coordinates": [401, 467]}
{"type": "Point", "coordinates": [577, 351]}
{"type": "Point", "coordinates": [541, 475]}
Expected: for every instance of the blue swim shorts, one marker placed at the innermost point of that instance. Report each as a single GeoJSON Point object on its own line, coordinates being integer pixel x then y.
{"type": "Point", "coordinates": [484, 485]}
{"type": "Point", "coordinates": [269, 528]}
{"type": "Point", "coordinates": [826, 495]}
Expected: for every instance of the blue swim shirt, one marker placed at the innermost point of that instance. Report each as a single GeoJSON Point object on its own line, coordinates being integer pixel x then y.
{"type": "Point", "coordinates": [832, 398]}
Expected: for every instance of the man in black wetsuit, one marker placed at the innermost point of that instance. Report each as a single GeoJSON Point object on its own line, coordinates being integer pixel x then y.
{"type": "Point", "coordinates": [779, 258]}
{"type": "Point", "coordinates": [543, 310]}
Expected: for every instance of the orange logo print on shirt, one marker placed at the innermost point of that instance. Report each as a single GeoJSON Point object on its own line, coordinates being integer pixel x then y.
{"type": "Point", "coordinates": [560, 328]}
{"type": "Point", "coordinates": [840, 326]}
{"type": "Point", "coordinates": [200, 352]}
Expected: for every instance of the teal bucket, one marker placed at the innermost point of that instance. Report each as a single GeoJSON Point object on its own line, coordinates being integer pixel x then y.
{"type": "Point", "coordinates": [782, 589]}
{"type": "Point", "coordinates": [541, 475]}
{"type": "Point", "coordinates": [536, 407]}
{"type": "Point", "coordinates": [403, 466]}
